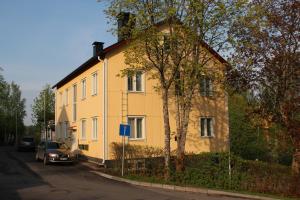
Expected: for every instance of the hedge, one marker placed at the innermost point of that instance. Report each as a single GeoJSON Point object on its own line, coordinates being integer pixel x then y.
{"type": "Point", "coordinates": [211, 170]}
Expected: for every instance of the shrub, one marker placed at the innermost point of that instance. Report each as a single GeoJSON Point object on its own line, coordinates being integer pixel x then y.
{"type": "Point", "coordinates": [212, 170]}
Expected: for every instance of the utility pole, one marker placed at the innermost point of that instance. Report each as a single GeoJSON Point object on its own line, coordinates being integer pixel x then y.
{"type": "Point", "coordinates": [45, 125]}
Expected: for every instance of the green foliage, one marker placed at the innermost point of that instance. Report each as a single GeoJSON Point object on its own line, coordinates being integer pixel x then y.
{"type": "Point", "coordinates": [250, 140]}
{"type": "Point", "coordinates": [12, 111]}
{"type": "Point", "coordinates": [211, 170]}
{"type": "Point", "coordinates": [266, 60]}
{"type": "Point", "coordinates": [34, 131]}
{"type": "Point", "coordinates": [246, 140]}
{"type": "Point", "coordinates": [44, 102]}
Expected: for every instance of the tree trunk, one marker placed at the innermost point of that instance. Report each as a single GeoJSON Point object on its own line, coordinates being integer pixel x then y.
{"type": "Point", "coordinates": [183, 112]}
{"type": "Point", "coordinates": [179, 152]}
{"type": "Point", "coordinates": [167, 148]}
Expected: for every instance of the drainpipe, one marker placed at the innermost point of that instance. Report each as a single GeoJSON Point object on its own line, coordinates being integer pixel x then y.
{"type": "Point", "coordinates": [104, 108]}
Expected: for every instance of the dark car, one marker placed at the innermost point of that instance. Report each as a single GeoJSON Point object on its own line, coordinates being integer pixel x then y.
{"type": "Point", "coordinates": [26, 144]}
{"type": "Point", "coordinates": [53, 152]}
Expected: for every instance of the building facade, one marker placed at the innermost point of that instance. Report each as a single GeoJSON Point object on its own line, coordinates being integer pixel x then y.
{"type": "Point", "coordinates": [92, 101]}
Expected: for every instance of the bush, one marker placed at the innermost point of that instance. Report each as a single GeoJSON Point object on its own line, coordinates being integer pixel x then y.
{"type": "Point", "coordinates": [212, 170]}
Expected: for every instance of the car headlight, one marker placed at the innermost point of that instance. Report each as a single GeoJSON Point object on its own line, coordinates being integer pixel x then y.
{"type": "Point", "coordinates": [53, 155]}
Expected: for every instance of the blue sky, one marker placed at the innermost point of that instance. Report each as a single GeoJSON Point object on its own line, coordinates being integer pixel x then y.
{"type": "Point", "coordinates": [41, 41]}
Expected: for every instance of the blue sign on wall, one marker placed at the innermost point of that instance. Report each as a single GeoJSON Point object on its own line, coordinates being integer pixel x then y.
{"type": "Point", "coordinates": [124, 130]}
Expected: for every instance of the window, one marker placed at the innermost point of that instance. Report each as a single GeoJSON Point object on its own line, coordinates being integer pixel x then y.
{"type": "Point", "coordinates": [206, 88]}
{"type": "Point", "coordinates": [94, 84]}
{"type": "Point", "coordinates": [66, 99]}
{"type": "Point", "coordinates": [135, 82]}
{"type": "Point", "coordinates": [130, 83]}
{"type": "Point", "coordinates": [83, 89]}
{"type": "Point", "coordinates": [66, 129]}
{"type": "Point", "coordinates": [83, 147]}
{"type": "Point", "coordinates": [206, 124]}
{"type": "Point", "coordinates": [136, 127]}
{"type": "Point", "coordinates": [95, 129]}
{"type": "Point", "coordinates": [61, 99]}
{"type": "Point", "coordinates": [83, 129]}
{"type": "Point", "coordinates": [74, 102]}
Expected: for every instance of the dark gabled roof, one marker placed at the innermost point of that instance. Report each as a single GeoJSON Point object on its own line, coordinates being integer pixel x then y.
{"type": "Point", "coordinates": [85, 66]}
{"type": "Point", "coordinates": [94, 60]}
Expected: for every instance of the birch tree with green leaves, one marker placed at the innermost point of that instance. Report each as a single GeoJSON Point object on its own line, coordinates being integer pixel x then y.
{"type": "Point", "coordinates": [169, 40]}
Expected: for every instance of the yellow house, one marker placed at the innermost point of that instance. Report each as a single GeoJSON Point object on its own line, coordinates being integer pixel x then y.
{"type": "Point", "coordinates": [92, 101]}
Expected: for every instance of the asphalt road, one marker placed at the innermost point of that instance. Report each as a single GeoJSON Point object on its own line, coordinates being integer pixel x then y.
{"type": "Point", "coordinates": [21, 177]}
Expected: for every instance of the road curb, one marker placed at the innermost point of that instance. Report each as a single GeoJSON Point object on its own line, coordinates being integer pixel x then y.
{"type": "Point", "coordinates": [182, 188]}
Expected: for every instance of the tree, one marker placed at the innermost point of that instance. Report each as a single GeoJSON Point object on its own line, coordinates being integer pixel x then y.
{"type": "Point", "coordinates": [246, 132]}
{"type": "Point", "coordinates": [16, 109]}
{"type": "Point", "coordinates": [12, 111]}
{"type": "Point", "coordinates": [43, 106]}
{"type": "Point", "coordinates": [205, 24]}
{"type": "Point", "coordinates": [267, 61]}
{"type": "Point", "coordinates": [178, 56]}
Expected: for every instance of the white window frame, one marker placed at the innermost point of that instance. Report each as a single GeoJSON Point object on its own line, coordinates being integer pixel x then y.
{"type": "Point", "coordinates": [83, 129]}
{"type": "Point", "coordinates": [205, 127]}
{"type": "Point", "coordinates": [61, 100]}
{"type": "Point", "coordinates": [94, 128]}
{"type": "Point", "coordinates": [66, 97]}
{"type": "Point", "coordinates": [94, 83]}
{"type": "Point", "coordinates": [74, 103]}
{"type": "Point", "coordinates": [135, 117]}
{"type": "Point", "coordinates": [134, 83]}
{"type": "Point", "coordinates": [83, 89]}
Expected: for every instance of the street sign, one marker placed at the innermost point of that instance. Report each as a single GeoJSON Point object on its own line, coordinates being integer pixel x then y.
{"type": "Point", "coordinates": [124, 130]}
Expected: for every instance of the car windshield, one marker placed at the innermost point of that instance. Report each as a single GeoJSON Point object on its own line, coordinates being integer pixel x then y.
{"type": "Point", "coordinates": [27, 139]}
{"type": "Point", "coordinates": [53, 145]}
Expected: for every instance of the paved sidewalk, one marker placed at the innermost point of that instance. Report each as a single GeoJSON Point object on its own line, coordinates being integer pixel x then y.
{"type": "Point", "coordinates": [95, 169]}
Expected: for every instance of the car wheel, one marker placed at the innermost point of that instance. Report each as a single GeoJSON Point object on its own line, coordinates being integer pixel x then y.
{"type": "Point", "coordinates": [37, 157]}
{"type": "Point", "coordinates": [46, 160]}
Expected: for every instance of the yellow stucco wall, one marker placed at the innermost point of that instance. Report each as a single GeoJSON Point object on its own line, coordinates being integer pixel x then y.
{"type": "Point", "coordinates": [147, 104]}
{"type": "Point", "coordinates": [87, 109]}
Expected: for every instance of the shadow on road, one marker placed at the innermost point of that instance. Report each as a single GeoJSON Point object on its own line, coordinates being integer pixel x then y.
{"type": "Point", "coordinates": [15, 175]}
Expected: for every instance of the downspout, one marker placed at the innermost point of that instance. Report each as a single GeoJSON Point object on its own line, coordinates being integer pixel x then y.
{"type": "Point", "coordinates": [104, 108]}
